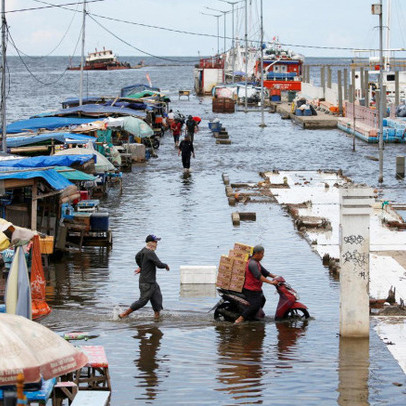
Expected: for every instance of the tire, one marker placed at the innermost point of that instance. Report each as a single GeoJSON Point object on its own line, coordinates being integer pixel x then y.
{"type": "Point", "coordinates": [300, 313]}
{"type": "Point", "coordinates": [155, 143]}
{"type": "Point", "coordinates": [225, 312]}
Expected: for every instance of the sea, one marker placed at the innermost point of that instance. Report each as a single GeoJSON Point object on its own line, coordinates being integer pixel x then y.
{"type": "Point", "coordinates": [188, 358]}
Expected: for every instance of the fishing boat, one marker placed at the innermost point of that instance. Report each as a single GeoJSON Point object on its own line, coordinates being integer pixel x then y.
{"type": "Point", "coordinates": [103, 60]}
{"type": "Point", "coordinates": [282, 68]}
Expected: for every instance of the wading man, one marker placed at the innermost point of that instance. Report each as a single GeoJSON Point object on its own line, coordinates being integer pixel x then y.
{"type": "Point", "coordinates": [255, 276]}
{"type": "Point", "coordinates": [147, 262]}
{"type": "Point", "coordinates": [187, 150]}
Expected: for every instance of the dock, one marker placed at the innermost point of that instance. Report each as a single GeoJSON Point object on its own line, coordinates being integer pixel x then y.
{"type": "Point", "coordinates": [321, 121]}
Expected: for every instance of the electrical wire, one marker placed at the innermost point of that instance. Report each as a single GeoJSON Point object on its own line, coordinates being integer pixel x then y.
{"type": "Point", "coordinates": [50, 5]}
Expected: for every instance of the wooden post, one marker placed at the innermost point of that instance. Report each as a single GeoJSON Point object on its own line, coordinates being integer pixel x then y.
{"type": "Point", "coordinates": [355, 210]}
{"type": "Point", "coordinates": [34, 205]}
{"type": "Point", "coordinates": [340, 94]}
{"type": "Point", "coordinates": [397, 95]}
{"type": "Point", "coordinates": [345, 84]}
{"type": "Point", "coordinates": [323, 79]}
{"type": "Point", "coordinates": [329, 77]}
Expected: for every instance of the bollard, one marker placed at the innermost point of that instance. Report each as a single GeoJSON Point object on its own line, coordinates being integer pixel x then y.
{"type": "Point", "coordinates": [355, 210]}
{"type": "Point", "coordinates": [400, 167]}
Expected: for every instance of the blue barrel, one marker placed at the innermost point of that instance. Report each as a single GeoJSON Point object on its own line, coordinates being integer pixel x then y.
{"type": "Point", "coordinates": [215, 126]}
{"type": "Point", "coordinates": [299, 112]}
{"type": "Point", "coordinates": [99, 221]}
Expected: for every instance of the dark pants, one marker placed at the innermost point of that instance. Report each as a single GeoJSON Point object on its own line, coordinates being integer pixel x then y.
{"type": "Point", "coordinates": [191, 135]}
{"type": "Point", "coordinates": [186, 161]}
{"type": "Point", "coordinates": [149, 292]}
{"type": "Point", "coordinates": [257, 301]}
{"type": "Point", "coordinates": [176, 138]}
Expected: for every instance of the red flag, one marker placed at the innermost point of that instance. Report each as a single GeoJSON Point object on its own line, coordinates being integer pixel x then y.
{"type": "Point", "coordinates": [149, 79]}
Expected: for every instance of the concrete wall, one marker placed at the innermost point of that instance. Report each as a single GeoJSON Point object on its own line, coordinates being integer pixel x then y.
{"type": "Point", "coordinates": [310, 92]}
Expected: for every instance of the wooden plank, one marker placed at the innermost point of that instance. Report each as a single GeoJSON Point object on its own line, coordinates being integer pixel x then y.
{"type": "Point", "coordinates": [91, 398]}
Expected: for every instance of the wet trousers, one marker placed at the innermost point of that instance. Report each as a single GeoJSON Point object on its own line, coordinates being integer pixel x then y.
{"type": "Point", "coordinates": [186, 161]}
{"type": "Point", "coordinates": [257, 301]}
{"type": "Point", "coordinates": [191, 135]}
{"type": "Point", "coordinates": [149, 292]}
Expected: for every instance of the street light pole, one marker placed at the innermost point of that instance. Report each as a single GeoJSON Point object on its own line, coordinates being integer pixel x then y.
{"type": "Point", "coordinates": [377, 10]}
{"type": "Point", "coordinates": [218, 31]}
{"type": "Point", "coordinates": [262, 68]}
{"type": "Point", "coordinates": [3, 76]}
{"type": "Point", "coordinates": [246, 55]}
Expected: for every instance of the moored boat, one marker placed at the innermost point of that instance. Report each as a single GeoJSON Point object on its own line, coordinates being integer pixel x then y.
{"type": "Point", "coordinates": [103, 60]}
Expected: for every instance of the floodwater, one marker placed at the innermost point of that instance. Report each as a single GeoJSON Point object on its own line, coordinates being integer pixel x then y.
{"type": "Point", "coordinates": [186, 357]}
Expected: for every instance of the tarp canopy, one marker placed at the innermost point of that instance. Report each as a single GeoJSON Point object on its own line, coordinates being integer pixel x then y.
{"type": "Point", "coordinates": [102, 164]}
{"type": "Point", "coordinates": [46, 161]}
{"type": "Point", "coordinates": [93, 110]}
{"type": "Point", "coordinates": [51, 176]}
{"type": "Point", "coordinates": [135, 126]}
{"type": "Point", "coordinates": [138, 87]}
{"type": "Point", "coordinates": [49, 123]}
{"type": "Point", "coordinates": [47, 138]}
{"type": "Point", "coordinates": [73, 174]}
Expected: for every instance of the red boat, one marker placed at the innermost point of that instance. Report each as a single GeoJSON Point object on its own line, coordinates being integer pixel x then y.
{"type": "Point", "coordinates": [282, 68]}
{"type": "Point", "coordinates": [103, 60]}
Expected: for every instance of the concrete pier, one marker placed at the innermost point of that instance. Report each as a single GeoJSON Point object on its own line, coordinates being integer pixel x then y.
{"type": "Point", "coordinates": [321, 121]}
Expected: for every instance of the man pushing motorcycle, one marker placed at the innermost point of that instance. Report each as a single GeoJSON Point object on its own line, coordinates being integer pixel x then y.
{"type": "Point", "coordinates": [255, 276]}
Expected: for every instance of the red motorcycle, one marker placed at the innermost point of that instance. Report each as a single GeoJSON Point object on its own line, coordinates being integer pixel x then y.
{"type": "Point", "coordinates": [288, 305]}
{"type": "Point", "coordinates": [232, 304]}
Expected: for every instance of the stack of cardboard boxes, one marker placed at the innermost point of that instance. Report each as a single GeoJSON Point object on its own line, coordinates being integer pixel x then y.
{"type": "Point", "coordinates": [231, 271]}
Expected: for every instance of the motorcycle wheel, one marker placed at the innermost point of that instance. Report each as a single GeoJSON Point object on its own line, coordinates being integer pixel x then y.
{"type": "Point", "coordinates": [300, 313]}
{"type": "Point", "coordinates": [155, 143]}
{"type": "Point", "coordinates": [225, 312]}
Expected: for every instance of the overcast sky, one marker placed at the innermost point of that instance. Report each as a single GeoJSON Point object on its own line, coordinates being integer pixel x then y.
{"type": "Point", "coordinates": [329, 23]}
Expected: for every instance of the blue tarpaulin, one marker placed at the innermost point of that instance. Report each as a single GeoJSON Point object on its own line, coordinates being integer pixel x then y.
{"type": "Point", "coordinates": [49, 123]}
{"type": "Point", "coordinates": [45, 161]}
{"type": "Point", "coordinates": [51, 176]}
{"type": "Point", "coordinates": [71, 138]}
{"type": "Point", "coordinates": [139, 87]}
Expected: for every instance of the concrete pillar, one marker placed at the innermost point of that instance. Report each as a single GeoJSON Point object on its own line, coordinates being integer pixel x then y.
{"type": "Point", "coordinates": [345, 84]}
{"type": "Point", "coordinates": [400, 167]}
{"type": "Point", "coordinates": [340, 94]}
{"type": "Point", "coordinates": [353, 372]}
{"type": "Point", "coordinates": [397, 95]}
{"type": "Point", "coordinates": [329, 77]}
{"type": "Point", "coordinates": [355, 210]}
{"type": "Point", "coordinates": [366, 80]}
{"type": "Point", "coordinates": [308, 74]}
{"type": "Point", "coordinates": [384, 102]}
{"type": "Point", "coordinates": [323, 79]}
{"type": "Point", "coordinates": [353, 84]}
{"type": "Point", "coordinates": [361, 79]}
{"type": "Point", "coordinates": [350, 94]}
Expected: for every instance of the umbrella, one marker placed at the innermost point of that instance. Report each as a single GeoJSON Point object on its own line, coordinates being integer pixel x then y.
{"type": "Point", "coordinates": [18, 291]}
{"type": "Point", "coordinates": [32, 349]}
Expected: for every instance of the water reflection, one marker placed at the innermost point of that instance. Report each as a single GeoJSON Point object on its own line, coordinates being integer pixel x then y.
{"type": "Point", "coordinates": [288, 334]}
{"type": "Point", "coordinates": [240, 350]}
{"type": "Point", "coordinates": [148, 363]}
{"type": "Point", "coordinates": [353, 372]}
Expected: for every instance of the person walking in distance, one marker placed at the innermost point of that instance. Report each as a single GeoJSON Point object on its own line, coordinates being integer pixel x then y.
{"type": "Point", "coordinates": [147, 262]}
{"type": "Point", "coordinates": [176, 128]}
{"type": "Point", "coordinates": [191, 128]}
{"type": "Point", "coordinates": [187, 150]}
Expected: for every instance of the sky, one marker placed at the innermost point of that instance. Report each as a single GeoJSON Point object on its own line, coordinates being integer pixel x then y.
{"type": "Point", "coordinates": [115, 24]}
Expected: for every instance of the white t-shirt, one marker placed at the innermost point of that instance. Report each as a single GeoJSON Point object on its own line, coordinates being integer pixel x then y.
{"type": "Point", "coordinates": [171, 116]}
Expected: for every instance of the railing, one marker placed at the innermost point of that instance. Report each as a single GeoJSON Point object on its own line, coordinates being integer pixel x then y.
{"type": "Point", "coordinates": [364, 114]}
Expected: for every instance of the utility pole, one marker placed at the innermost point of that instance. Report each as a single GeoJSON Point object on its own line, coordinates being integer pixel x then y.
{"type": "Point", "coordinates": [262, 68]}
{"type": "Point", "coordinates": [246, 55]}
{"type": "Point", "coordinates": [3, 76]}
{"type": "Point", "coordinates": [218, 32]}
{"type": "Point", "coordinates": [377, 10]}
{"type": "Point", "coordinates": [82, 60]}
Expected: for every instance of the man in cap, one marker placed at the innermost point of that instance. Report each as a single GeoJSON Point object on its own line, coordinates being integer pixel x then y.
{"type": "Point", "coordinates": [147, 262]}
{"type": "Point", "coordinates": [191, 127]}
{"type": "Point", "coordinates": [255, 276]}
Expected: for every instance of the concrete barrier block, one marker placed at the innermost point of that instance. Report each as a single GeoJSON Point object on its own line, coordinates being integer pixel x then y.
{"type": "Point", "coordinates": [221, 141]}
{"type": "Point", "coordinates": [235, 217]}
{"type": "Point", "coordinates": [195, 274]}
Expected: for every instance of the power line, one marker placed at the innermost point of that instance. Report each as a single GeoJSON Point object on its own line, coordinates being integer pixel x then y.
{"type": "Point", "coordinates": [50, 5]}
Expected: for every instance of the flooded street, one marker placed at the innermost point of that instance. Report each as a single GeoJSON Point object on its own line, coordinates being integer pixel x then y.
{"type": "Point", "coordinates": [187, 357]}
